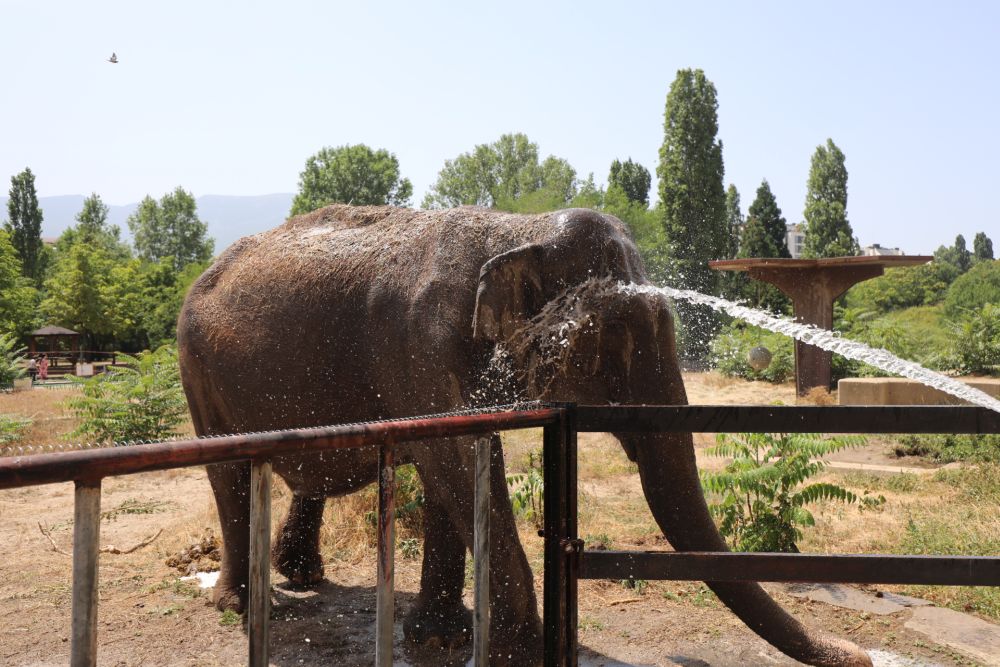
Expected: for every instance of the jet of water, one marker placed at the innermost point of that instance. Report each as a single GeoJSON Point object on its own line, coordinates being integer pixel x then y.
{"type": "Point", "coordinates": [826, 340]}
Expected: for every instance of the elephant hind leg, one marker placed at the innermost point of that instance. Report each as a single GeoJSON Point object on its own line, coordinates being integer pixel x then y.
{"type": "Point", "coordinates": [438, 618]}
{"type": "Point", "coordinates": [295, 554]}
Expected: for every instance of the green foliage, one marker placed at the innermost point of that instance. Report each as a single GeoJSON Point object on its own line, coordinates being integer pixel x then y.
{"type": "Point", "coordinates": [92, 229]}
{"type": "Point", "coordinates": [828, 233]}
{"type": "Point", "coordinates": [351, 174]}
{"type": "Point", "coordinates": [12, 429]}
{"type": "Point", "coordinates": [24, 223]}
{"type": "Point", "coordinates": [409, 499]}
{"type": "Point", "coordinates": [881, 333]}
{"type": "Point", "coordinates": [734, 221]}
{"type": "Point", "coordinates": [693, 199]}
{"type": "Point", "coordinates": [947, 448]}
{"type": "Point", "coordinates": [973, 290]}
{"type": "Point", "coordinates": [140, 400]}
{"type": "Point", "coordinates": [506, 175]}
{"type": "Point", "coordinates": [903, 287]}
{"type": "Point", "coordinates": [764, 236]}
{"type": "Point", "coordinates": [957, 256]}
{"type": "Point", "coordinates": [18, 296]}
{"type": "Point", "coordinates": [171, 228]}
{"type": "Point", "coordinates": [633, 179]}
{"type": "Point", "coordinates": [76, 290]}
{"type": "Point", "coordinates": [12, 364]}
{"type": "Point", "coordinates": [763, 490]}
{"type": "Point", "coordinates": [977, 341]}
{"type": "Point", "coordinates": [527, 491]}
{"type": "Point", "coordinates": [731, 347]}
{"type": "Point", "coordinates": [982, 248]}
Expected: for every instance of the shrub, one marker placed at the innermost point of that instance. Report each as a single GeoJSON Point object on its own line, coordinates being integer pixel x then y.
{"type": "Point", "coordinates": [731, 346]}
{"type": "Point", "coordinates": [12, 429]}
{"type": "Point", "coordinates": [409, 500]}
{"type": "Point", "coordinates": [11, 360]}
{"type": "Point", "coordinates": [977, 341]}
{"type": "Point", "coordinates": [140, 400]}
{"type": "Point", "coordinates": [763, 492]}
{"type": "Point", "coordinates": [903, 288]}
{"type": "Point", "coordinates": [950, 447]}
{"type": "Point", "coordinates": [973, 290]}
{"type": "Point", "coordinates": [527, 490]}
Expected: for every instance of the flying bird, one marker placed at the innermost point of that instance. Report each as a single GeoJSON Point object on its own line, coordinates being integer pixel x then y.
{"type": "Point", "coordinates": [113, 58]}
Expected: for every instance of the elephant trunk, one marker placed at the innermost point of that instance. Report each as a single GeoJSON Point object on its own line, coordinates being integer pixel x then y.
{"type": "Point", "coordinates": [671, 485]}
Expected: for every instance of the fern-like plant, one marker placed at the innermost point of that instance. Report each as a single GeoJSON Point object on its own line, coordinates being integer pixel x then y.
{"type": "Point", "coordinates": [139, 400]}
{"type": "Point", "coordinates": [12, 365]}
{"type": "Point", "coordinates": [764, 491]}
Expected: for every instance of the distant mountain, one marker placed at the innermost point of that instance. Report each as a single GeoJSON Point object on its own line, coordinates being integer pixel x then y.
{"type": "Point", "coordinates": [229, 217]}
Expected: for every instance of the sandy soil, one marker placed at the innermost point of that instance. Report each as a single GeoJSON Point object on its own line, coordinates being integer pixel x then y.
{"type": "Point", "coordinates": [149, 617]}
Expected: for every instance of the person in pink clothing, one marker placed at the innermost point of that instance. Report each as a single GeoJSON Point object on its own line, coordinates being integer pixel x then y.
{"type": "Point", "coordinates": [43, 368]}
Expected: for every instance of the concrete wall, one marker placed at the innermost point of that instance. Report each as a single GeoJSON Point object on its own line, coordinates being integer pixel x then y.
{"type": "Point", "coordinates": [902, 391]}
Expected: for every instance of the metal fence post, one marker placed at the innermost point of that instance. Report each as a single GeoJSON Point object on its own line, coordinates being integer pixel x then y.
{"type": "Point", "coordinates": [559, 589]}
{"type": "Point", "coordinates": [481, 555]}
{"type": "Point", "coordinates": [259, 612]}
{"type": "Point", "coordinates": [86, 549]}
{"type": "Point", "coordinates": [384, 605]}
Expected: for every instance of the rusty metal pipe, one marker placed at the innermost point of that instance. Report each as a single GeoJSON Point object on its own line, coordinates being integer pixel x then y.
{"type": "Point", "coordinates": [20, 471]}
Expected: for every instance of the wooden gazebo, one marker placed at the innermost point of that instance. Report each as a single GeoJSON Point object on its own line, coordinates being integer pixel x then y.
{"type": "Point", "coordinates": [53, 339]}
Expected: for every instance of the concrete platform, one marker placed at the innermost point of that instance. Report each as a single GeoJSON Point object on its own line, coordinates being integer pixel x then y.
{"type": "Point", "coordinates": [903, 391]}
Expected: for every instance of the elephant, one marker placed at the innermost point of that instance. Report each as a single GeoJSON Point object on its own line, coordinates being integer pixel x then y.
{"type": "Point", "coordinates": [351, 314]}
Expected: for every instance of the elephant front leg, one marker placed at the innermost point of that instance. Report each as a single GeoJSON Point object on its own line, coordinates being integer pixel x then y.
{"type": "Point", "coordinates": [295, 554]}
{"type": "Point", "coordinates": [231, 486]}
{"type": "Point", "coordinates": [439, 619]}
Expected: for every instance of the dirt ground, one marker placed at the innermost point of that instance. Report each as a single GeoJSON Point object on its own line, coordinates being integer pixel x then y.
{"type": "Point", "coordinates": [148, 616]}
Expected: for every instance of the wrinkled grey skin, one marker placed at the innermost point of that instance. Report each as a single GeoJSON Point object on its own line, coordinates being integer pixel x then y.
{"type": "Point", "coordinates": [349, 314]}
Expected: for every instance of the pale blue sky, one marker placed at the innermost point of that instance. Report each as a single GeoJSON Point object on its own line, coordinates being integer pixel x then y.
{"type": "Point", "coordinates": [231, 97]}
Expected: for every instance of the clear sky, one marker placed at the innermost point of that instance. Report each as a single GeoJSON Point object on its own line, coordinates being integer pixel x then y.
{"type": "Point", "coordinates": [231, 97]}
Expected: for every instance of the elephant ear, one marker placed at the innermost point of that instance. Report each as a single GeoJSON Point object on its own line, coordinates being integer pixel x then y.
{"type": "Point", "coordinates": [510, 292]}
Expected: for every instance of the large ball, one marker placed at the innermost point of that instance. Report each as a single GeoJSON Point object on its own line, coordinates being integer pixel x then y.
{"type": "Point", "coordinates": [759, 358]}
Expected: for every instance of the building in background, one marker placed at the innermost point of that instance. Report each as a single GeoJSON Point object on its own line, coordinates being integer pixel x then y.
{"type": "Point", "coordinates": [795, 239]}
{"type": "Point", "coordinates": [875, 250]}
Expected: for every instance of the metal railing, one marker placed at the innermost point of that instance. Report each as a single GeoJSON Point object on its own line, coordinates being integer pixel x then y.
{"type": "Point", "coordinates": [564, 557]}
{"type": "Point", "coordinates": [86, 468]}
{"type": "Point", "coordinates": [566, 561]}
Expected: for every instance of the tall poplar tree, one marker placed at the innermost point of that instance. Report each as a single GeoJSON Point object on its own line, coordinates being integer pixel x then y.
{"type": "Point", "coordinates": [734, 221]}
{"type": "Point", "coordinates": [693, 198]}
{"type": "Point", "coordinates": [828, 233]}
{"type": "Point", "coordinates": [24, 222]}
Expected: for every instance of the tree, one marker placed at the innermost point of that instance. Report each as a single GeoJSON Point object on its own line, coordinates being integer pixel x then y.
{"type": "Point", "coordinates": [25, 224]}
{"type": "Point", "coordinates": [632, 178]}
{"type": "Point", "coordinates": [828, 233]}
{"type": "Point", "coordinates": [957, 255]}
{"type": "Point", "coordinates": [351, 174]}
{"type": "Point", "coordinates": [18, 297]}
{"type": "Point", "coordinates": [766, 230]}
{"type": "Point", "coordinates": [692, 197]}
{"type": "Point", "coordinates": [734, 220]}
{"type": "Point", "coordinates": [75, 291]}
{"type": "Point", "coordinates": [92, 228]}
{"type": "Point", "coordinates": [982, 248]}
{"type": "Point", "coordinates": [764, 236]}
{"type": "Point", "coordinates": [171, 228]}
{"type": "Point", "coordinates": [505, 174]}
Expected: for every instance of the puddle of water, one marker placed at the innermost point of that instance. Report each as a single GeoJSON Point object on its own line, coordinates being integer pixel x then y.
{"type": "Point", "coordinates": [204, 579]}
